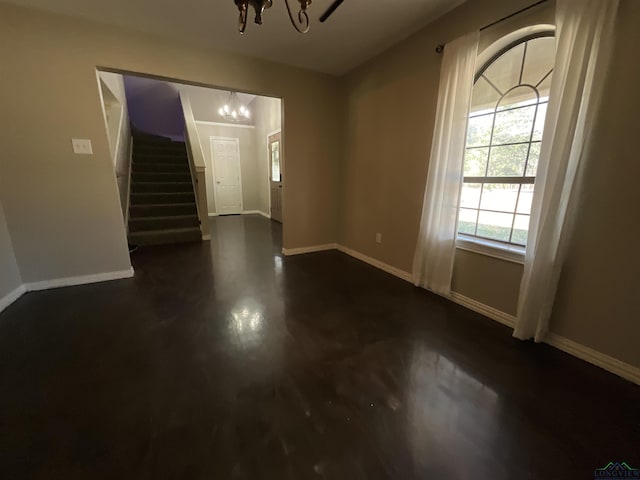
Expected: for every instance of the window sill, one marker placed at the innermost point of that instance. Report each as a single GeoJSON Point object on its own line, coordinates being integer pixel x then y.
{"type": "Point", "coordinates": [490, 248]}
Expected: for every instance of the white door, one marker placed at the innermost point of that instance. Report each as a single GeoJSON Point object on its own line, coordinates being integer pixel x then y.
{"type": "Point", "coordinates": [226, 173]}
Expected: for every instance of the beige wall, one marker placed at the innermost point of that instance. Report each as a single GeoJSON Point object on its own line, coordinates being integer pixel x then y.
{"type": "Point", "coordinates": [249, 168]}
{"type": "Point", "coordinates": [391, 109]}
{"type": "Point", "coordinates": [62, 209]}
{"type": "Point", "coordinates": [267, 117]}
{"type": "Point", "coordinates": [9, 273]}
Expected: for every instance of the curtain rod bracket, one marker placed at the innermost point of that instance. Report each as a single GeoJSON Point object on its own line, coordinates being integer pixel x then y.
{"type": "Point", "coordinates": [440, 48]}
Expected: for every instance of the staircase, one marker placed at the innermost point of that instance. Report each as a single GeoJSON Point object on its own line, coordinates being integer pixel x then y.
{"type": "Point", "coordinates": [162, 204]}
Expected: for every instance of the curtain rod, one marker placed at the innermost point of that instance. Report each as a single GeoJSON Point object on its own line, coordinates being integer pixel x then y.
{"type": "Point", "coordinates": [440, 48]}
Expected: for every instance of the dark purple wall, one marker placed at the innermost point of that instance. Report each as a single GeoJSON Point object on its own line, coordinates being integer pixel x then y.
{"type": "Point", "coordinates": [154, 107]}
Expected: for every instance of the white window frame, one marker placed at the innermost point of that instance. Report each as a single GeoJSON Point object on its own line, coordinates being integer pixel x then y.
{"type": "Point", "coordinates": [483, 246]}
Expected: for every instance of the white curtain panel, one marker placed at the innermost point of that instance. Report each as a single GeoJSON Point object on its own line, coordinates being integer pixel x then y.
{"type": "Point", "coordinates": [433, 261]}
{"type": "Point", "coordinates": [584, 38]}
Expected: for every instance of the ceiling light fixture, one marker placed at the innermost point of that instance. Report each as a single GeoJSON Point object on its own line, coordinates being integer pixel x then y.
{"type": "Point", "coordinates": [300, 21]}
{"type": "Point", "coordinates": [233, 110]}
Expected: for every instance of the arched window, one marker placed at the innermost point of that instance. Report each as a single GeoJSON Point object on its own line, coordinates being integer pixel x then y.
{"type": "Point", "coordinates": [504, 133]}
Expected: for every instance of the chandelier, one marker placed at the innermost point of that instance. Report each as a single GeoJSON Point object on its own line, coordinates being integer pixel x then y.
{"type": "Point", "coordinates": [233, 110]}
{"type": "Point", "coordinates": [300, 21]}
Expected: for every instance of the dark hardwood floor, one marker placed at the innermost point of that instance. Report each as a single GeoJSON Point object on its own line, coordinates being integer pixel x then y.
{"type": "Point", "coordinates": [224, 360]}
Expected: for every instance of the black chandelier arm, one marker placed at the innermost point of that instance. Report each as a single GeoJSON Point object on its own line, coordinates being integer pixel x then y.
{"type": "Point", "coordinates": [243, 7]}
{"type": "Point", "coordinates": [302, 25]}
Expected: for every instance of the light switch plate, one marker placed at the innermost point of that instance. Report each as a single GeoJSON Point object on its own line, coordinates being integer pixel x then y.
{"type": "Point", "coordinates": [82, 146]}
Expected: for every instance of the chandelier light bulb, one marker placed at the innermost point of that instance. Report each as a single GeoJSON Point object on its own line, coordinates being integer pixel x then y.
{"type": "Point", "coordinates": [233, 110]}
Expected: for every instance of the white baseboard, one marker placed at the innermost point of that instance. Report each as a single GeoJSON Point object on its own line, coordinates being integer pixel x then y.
{"type": "Point", "coordinates": [81, 280]}
{"type": "Point", "coordinates": [12, 297]}
{"type": "Point", "coordinates": [406, 276]}
{"type": "Point", "coordinates": [302, 250]}
{"type": "Point", "coordinates": [61, 282]}
{"type": "Point", "coordinates": [247, 212]}
{"type": "Point", "coordinates": [613, 365]}
{"type": "Point", "coordinates": [256, 212]}
{"type": "Point", "coordinates": [482, 309]}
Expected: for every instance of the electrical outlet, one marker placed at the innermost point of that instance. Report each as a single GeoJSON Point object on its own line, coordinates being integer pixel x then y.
{"type": "Point", "coordinates": [378, 238]}
{"type": "Point", "coordinates": [82, 146]}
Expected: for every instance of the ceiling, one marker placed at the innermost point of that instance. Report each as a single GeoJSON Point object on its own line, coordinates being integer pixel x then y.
{"type": "Point", "coordinates": [357, 31]}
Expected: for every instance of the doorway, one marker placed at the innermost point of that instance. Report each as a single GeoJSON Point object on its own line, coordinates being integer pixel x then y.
{"type": "Point", "coordinates": [274, 143]}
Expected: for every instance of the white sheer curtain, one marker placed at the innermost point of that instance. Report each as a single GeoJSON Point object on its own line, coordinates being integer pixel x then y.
{"type": "Point", "coordinates": [584, 37]}
{"type": "Point", "coordinates": [433, 261]}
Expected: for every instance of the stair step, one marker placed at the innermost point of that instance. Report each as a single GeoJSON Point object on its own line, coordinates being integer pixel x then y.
{"type": "Point", "coordinates": [161, 187]}
{"type": "Point", "coordinates": [154, 140]}
{"type": "Point", "coordinates": [160, 158]}
{"type": "Point", "coordinates": [142, 224]}
{"type": "Point", "coordinates": [160, 237]}
{"type": "Point", "coordinates": [161, 210]}
{"type": "Point", "coordinates": [155, 198]}
{"type": "Point", "coordinates": [159, 146]}
{"type": "Point", "coordinates": [144, 167]}
{"type": "Point", "coordinates": [160, 177]}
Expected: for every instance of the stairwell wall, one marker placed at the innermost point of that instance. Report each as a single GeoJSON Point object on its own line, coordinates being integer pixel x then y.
{"type": "Point", "coordinates": [62, 209]}
{"type": "Point", "coordinates": [120, 139]}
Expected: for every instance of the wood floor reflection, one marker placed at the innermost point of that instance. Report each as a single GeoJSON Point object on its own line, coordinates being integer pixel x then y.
{"type": "Point", "coordinates": [225, 360]}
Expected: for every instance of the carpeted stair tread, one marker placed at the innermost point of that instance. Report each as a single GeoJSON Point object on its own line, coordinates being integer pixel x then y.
{"type": "Point", "coordinates": [161, 210]}
{"type": "Point", "coordinates": [164, 168]}
{"type": "Point", "coordinates": [160, 237]}
{"type": "Point", "coordinates": [161, 197]}
{"type": "Point", "coordinates": [146, 224]}
{"type": "Point", "coordinates": [161, 187]}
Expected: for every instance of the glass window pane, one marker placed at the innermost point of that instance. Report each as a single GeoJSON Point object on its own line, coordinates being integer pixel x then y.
{"type": "Point", "coordinates": [470, 196]}
{"type": "Point", "coordinates": [540, 117]}
{"type": "Point", "coordinates": [520, 230]}
{"type": "Point", "coordinates": [467, 221]}
{"type": "Point", "coordinates": [484, 97]}
{"type": "Point", "coordinates": [534, 157]}
{"type": "Point", "coordinates": [275, 162]}
{"type": "Point", "coordinates": [508, 160]}
{"type": "Point", "coordinates": [539, 59]}
{"type": "Point", "coordinates": [514, 125]}
{"type": "Point", "coordinates": [475, 162]}
{"type": "Point", "coordinates": [479, 130]}
{"type": "Point", "coordinates": [504, 73]}
{"type": "Point", "coordinates": [496, 226]}
{"type": "Point", "coordinates": [499, 196]}
{"type": "Point", "coordinates": [526, 197]}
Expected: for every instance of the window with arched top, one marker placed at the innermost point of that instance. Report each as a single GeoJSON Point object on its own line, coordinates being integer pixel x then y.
{"type": "Point", "coordinates": [504, 134]}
